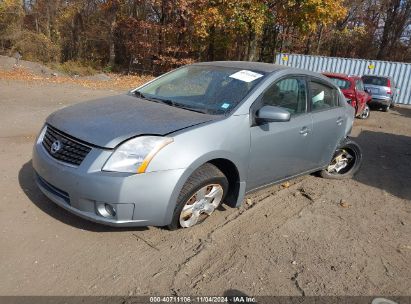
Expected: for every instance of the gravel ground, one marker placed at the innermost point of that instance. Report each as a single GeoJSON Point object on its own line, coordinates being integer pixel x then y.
{"type": "Point", "coordinates": [309, 237]}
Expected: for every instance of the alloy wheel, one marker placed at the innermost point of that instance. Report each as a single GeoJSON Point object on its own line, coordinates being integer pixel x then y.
{"type": "Point", "coordinates": [201, 205]}
{"type": "Point", "coordinates": [365, 113]}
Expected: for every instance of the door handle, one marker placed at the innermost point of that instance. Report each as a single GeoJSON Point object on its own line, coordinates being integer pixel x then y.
{"type": "Point", "coordinates": [339, 121]}
{"type": "Point", "coordinates": [304, 131]}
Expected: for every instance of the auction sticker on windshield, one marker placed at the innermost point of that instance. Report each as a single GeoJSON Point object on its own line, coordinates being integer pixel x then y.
{"type": "Point", "coordinates": [225, 105]}
{"type": "Point", "coordinates": [246, 76]}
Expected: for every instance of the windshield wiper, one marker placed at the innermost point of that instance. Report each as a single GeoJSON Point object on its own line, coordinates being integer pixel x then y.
{"type": "Point", "coordinates": [168, 102]}
{"type": "Point", "coordinates": [181, 106]}
{"type": "Point", "coordinates": [159, 100]}
{"type": "Point", "coordinates": [176, 104]}
{"type": "Point", "coordinates": [141, 95]}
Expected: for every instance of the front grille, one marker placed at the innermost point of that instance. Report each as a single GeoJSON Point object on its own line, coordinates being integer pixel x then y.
{"type": "Point", "coordinates": [69, 150]}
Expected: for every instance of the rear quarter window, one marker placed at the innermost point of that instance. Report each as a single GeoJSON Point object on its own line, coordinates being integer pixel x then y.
{"type": "Point", "coordinates": [375, 80]}
{"type": "Point", "coordinates": [323, 97]}
{"type": "Point", "coordinates": [341, 83]}
{"type": "Point", "coordinates": [359, 85]}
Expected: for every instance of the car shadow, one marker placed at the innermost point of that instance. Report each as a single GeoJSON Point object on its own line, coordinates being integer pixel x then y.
{"type": "Point", "coordinates": [386, 165]}
{"type": "Point", "coordinates": [29, 187]}
{"type": "Point", "coordinates": [403, 111]}
{"type": "Point", "coordinates": [386, 162]}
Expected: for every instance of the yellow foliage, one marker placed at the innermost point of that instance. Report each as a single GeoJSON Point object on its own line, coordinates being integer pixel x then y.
{"type": "Point", "coordinates": [11, 17]}
{"type": "Point", "coordinates": [307, 15]}
{"type": "Point", "coordinates": [36, 47]}
{"type": "Point", "coordinates": [231, 17]}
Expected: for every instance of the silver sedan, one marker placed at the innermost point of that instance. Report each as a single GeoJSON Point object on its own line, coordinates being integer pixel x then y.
{"type": "Point", "coordinates": [171, 151]}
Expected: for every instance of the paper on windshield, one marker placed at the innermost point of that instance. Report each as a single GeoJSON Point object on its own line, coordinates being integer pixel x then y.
{"type": "Point", "coordinates": [246, 75]}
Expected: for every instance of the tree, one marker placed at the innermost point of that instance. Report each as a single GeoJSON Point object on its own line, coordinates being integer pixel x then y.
{"type": "Point", "coordinates": [228, 28]}
{"type": "Point", "coordinates": [397, 14]}
{"type": "Point", "coordinates": [153, 36]}
{"type": "Point", "coordinates": [11, 22]}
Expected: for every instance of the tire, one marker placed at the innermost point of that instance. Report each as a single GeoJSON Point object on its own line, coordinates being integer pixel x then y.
{"type": "Point", "coordinates": [385, 108]}
{"type": "Point", "coordinates": [392, 105]}
{"type": "Point", "coordinates": [347, 147]}
{"type": "Point", "coordinates": [365, 113]}
{"type": "Point", "coordinates": [204, 178]}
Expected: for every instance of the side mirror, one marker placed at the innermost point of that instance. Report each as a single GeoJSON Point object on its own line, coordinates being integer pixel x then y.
{"type": "Point", "coordinates": [272, 114]}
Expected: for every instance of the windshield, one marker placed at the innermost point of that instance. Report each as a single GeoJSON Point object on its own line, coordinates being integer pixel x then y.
{"type": "Point", "coordinates": [374, 80]}
{"type": "Point", "coordinates": [341, 83]}
{"type": "Point", "coordinates": [207, 89]}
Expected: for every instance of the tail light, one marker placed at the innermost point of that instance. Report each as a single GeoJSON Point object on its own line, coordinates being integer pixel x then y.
{"type": "Point", "coordinates": [389, 87]}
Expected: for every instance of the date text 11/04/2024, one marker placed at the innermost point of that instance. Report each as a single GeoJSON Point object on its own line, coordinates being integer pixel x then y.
{"type": "Point", "coordinates": [203, 299]}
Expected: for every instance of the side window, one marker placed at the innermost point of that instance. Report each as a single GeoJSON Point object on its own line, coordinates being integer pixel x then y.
{"type": "Point", "coordinates": [322, 96]}
{"type": "Point", "coordinates": [359, 85]}
{"type": "Point", "coordinates": [288, 93]}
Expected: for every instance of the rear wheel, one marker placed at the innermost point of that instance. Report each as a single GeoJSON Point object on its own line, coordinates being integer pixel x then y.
{"type": "Point", "coordinates": [365, 113]}
{"type": "Point", "coordinates": [203, 192]}
{"type": "Point", "coordinates": [345, 162]}
{"type": "Point", "coordinates": [386, 108]}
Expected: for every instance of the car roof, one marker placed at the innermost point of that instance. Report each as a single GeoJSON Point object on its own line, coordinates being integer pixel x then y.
{"type": "Point", "coordinates": [340, 75]}
{"type": "Point", "coordinates": [380, 76]}
{"type": "Point", "coordinates": [263, 67]}
{"type": "Point", "coordinates": [247, 65]}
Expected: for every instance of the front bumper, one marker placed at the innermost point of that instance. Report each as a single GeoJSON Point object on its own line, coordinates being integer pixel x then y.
{"type": "Point", "coordinates": [138, 199]}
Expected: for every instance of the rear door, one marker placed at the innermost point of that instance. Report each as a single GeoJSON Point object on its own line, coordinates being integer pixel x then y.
{"type": "Point", "coordinates": [328, 121]}
{"type": "Point", "coordinates": [362, 96]}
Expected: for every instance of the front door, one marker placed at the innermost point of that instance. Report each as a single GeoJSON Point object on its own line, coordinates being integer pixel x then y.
{"type": "Point", "coordinates": [279, 149]}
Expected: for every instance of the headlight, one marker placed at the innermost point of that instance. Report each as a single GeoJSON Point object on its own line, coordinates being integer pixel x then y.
{"type": "Point", "coordinates": [134, 155]}
{"type": "Point", "coordinates": [41, 134]}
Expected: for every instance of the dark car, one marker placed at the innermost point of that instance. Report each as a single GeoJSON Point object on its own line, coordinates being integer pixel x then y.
{"type": "Point", "coordinates": [382, 89]}
{"type": "Point", "coordinates": [353, 89]}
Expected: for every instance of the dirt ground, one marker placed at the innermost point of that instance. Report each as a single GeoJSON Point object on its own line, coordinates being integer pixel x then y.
{"type": "Point", "coordinates": [314, 237]}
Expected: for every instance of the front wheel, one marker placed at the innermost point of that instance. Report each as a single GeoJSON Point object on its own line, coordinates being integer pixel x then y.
{"type": "Point", "coordinates": [365, 113]}
{"type": "Point", "coordinates": [345, 162]}
{"type": "Point", "coordinates": [203, 192]}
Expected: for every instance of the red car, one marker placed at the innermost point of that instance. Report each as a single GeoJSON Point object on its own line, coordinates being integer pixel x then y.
{"type": "Point", "coordinates": [353, 88]}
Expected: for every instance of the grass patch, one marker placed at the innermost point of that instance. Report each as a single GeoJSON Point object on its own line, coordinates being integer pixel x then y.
{"type": "Point", "coordinates": [73, 68]}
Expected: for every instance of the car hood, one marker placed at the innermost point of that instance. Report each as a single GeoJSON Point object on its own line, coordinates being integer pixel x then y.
{"type": "Point", "coordinates": [109, 121]}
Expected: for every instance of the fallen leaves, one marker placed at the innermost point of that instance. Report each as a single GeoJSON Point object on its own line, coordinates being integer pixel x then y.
{"type": "Point", "coordinates": [285, 185]}
{"type": "Point", "coordinates": [344, 204]}
{"type": "Point", "coordinates": [116, 81]}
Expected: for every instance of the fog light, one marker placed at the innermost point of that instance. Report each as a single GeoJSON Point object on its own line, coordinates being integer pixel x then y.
{"type": "Point", "coordinates": [110, 210]}
{"type": "Point", "coordinates": [106, 210]}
